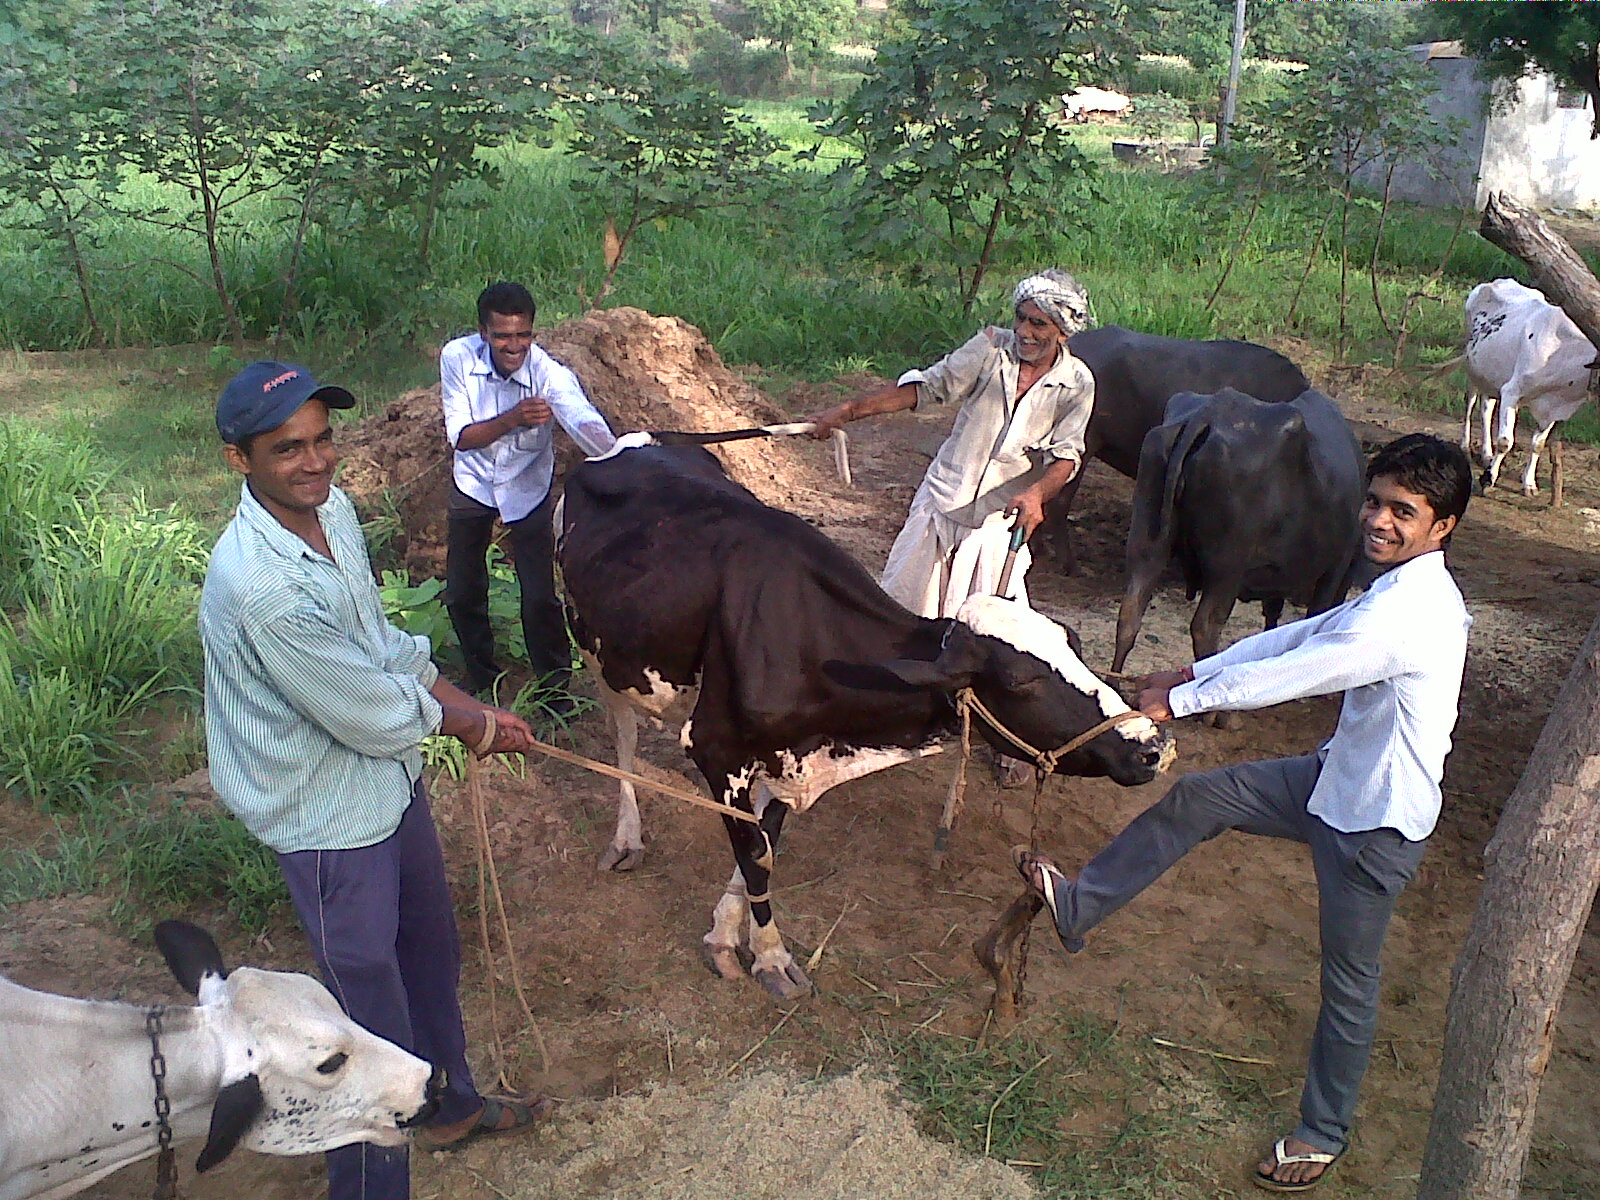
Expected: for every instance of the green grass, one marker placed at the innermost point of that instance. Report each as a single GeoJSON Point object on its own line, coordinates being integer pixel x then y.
{"type": "Point", "coordinates": [152, 857]}
{"type": "Point", "coordinates": [1081, 1103]}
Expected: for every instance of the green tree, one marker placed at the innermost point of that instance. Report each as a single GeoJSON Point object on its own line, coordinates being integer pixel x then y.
{"type": "Point", "coordinates": [655, 145]}
{"type": "Point", "coordinates": [56, 161]}
{"type": "Point", "coordinates": [803, 27]}
{"type": "Point", "coordinates": [1512, 40]}
{"type": "Point", "coordinates": [952, 148]}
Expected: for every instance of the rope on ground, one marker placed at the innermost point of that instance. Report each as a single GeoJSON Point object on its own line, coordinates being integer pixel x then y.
{"type": "Point", "coordinates": [489, 874]}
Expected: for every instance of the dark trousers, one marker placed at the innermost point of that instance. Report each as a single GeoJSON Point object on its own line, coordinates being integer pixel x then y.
{"type": "Point", "coordinates": [383, 930]}
{"type": "Point", "coordinates": [531, 546]}
{"type": "Point", "coordinates": [1359, 878]}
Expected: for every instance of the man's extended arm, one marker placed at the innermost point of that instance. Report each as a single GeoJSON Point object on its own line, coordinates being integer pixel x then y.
{"type": "Point", "coordinates": [1327, 662]}
{"type": "Point", "coordinates": [462, 717]}
{"type": "Point", "coordinates": [885, 400]}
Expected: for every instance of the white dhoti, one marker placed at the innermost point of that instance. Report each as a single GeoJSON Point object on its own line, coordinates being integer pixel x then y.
{"type": "Point", "coordinates": [936, 563]}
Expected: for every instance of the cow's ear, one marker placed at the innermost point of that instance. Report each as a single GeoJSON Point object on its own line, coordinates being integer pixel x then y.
{"type": "Point", "coordinates": [190, 952]}
{"type": "Point", "coordinates": [959, 661]}
{"type": "Point", "coordinates": [238, 1104]}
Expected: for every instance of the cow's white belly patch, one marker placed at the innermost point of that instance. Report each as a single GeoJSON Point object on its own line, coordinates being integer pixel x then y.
{"type": "Point", "coordinates": [664, 702]}
{"type": "Point", "coordinates": [801, 781]}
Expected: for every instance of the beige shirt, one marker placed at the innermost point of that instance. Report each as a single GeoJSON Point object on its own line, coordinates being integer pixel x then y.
{"type": "Point", "coordinates": [1000, 446]}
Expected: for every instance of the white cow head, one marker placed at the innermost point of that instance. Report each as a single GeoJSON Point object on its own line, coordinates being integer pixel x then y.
{"type": "Point", "coordinates": [299, 1076]}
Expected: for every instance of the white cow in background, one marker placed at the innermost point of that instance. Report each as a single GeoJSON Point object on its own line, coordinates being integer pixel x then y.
{"type": "Point", "coordinates": [1082, 103]}
{"type": "Point", "coordinates": [267, 1060]}
{"type": "Point", "coordinates": [1521, 350]}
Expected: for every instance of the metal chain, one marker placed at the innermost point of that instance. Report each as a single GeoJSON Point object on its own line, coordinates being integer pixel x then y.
{"type": "Point", "coordinates": [166, 1164]}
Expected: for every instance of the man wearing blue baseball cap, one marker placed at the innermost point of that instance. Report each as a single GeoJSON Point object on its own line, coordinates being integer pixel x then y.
{"type": "Point", "coordinates": [315, 709]}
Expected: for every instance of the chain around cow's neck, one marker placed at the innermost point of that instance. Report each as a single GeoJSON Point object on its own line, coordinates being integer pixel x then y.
{"type": "Point", "coordinates": [166, 1166]}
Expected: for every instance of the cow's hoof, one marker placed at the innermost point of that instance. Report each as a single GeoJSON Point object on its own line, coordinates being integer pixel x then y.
{"type": "Point", "coordinates": [1531, 492]}
{"type": "Point", "coordinates": [1228, 721]}
{"type": "Point", "coordinates": [622, 858]}
{"type": "Point", "coordinates": [785, 983]}
{"type": "Point", "coordinates": [727, 962]}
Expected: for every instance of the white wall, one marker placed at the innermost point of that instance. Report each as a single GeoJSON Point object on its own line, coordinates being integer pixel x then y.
{"type": "Point", "coordinates": [1538, 152]}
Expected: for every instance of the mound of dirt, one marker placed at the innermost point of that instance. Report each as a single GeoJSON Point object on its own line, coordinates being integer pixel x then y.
{"type": "Point", "coordinates": [642, 372]}
{"type": "Point", "coordinates": [842, 1139]}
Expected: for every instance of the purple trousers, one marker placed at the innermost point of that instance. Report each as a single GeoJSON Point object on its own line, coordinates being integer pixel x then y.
{"type": "Point", "coordinates": [383, 930]}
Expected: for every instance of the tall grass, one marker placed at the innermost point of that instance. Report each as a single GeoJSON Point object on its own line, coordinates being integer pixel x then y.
{"type": "Point", "coordinates": [101, 616]}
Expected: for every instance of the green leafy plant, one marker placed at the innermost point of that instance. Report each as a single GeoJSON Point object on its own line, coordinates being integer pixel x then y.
{"type": "Point", "coordinates": [654, 146]}
{"type": "Point", "coordinates": [951, 148]}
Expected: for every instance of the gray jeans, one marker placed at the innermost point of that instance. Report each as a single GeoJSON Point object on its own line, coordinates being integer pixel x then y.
{"type": "Point", "coordinates": [1359, 877]}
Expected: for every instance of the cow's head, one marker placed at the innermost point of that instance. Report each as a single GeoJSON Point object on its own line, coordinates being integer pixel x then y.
{"type": "Point", "coordinates": [1021, 665]}
{"type": "Point", "coordinates": [298, 1075]}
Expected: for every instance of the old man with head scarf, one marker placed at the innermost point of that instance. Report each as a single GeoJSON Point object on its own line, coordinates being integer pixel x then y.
{"type": "Point", "coordinates": [1016, 441]}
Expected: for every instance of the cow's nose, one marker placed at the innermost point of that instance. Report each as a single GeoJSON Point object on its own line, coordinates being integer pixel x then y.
{"type": "Point", "coordinates": [430, 1101]}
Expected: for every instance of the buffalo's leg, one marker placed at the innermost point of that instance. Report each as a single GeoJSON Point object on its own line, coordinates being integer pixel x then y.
{"type": "Point", "coordinates": [1205, 632]}
{"type": "Point", "coordinates": [1271, 612]}
{"type": "Point", "coordinates": [1056, 531]}
{"type": "Point", "coordinates": [1130, 616]}
{"type": "Point", "coordinates": [995, 952]}
{"type": "Point", "coordinates": [626, 850]}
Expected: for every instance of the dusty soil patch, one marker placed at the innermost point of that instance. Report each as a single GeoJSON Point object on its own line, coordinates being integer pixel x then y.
{"type": "Point", "coordinates": [1221, 954]}
{"type": "Point", "coordinates": [838, 1139]}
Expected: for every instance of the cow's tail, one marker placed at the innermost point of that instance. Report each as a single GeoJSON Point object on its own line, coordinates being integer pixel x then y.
{"type": "Point", "coordinates": [1445, 368]}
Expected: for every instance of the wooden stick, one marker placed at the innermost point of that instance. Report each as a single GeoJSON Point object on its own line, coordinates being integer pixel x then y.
{"type": "Point", "coordinates": [1254, 1062]}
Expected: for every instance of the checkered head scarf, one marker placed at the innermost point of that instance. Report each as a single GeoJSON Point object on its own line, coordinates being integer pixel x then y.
{"type": "Point", "coordinates": [1060, 296]}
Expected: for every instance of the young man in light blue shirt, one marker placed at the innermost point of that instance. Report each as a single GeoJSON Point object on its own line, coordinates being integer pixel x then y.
{"type": "Point", "coordinates": [315, 708]}
{"type": "Point", "coordinates": [501, 394]}
{"type": "Point", "coordinates": [1365, 802]}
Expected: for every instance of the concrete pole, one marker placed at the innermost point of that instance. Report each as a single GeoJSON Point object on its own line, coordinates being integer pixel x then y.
{"type": "Point", "coordinates": [1231, 96]}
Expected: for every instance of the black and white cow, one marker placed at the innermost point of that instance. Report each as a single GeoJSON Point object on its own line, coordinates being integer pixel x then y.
{"type": "Point", "coordinates": [267, 1060]}
{"type": "Point", "coordinates": [789, 667]}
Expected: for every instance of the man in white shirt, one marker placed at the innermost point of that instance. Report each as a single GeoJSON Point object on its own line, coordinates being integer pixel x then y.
{"type": "Point", "coordinates": [1017, 441]}
{"type": "Point", "coordinates": [500, 393]}
{"type": "Point", "coordinates": [1365, 802]}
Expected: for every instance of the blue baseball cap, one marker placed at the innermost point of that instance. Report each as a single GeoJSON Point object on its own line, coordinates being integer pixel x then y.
{"type": "Point", "coordinates": [266, 394]}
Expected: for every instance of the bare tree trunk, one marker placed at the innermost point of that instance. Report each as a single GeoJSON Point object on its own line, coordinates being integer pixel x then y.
{"type": "Point", "coordinates": [1540, 872]}
{"type": "Point", "coordinates": [1539, 880]}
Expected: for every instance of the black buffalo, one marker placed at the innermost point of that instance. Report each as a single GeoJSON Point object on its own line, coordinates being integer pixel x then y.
{"type": "Point", "coordinates": [1135, 374]}
{"type": "Point", "coordinates": [1256, 501]}
{"type": "Point", "coordinates": [794, 670]}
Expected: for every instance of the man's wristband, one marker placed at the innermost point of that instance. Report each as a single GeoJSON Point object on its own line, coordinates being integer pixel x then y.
{"type": "Point", "coordinates": [490, 727]}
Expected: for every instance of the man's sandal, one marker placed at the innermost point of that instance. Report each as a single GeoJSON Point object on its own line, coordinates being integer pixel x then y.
{"type": "Point", "coordinates": [1281, 1158]}
{"type": "Point", "coordinates": [525, 1112]}
{"type": "Point", "coordinates": [1045, 880]}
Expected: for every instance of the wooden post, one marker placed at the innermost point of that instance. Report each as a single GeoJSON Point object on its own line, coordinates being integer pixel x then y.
{"type": "Point", "coordinates": [1540, 872]}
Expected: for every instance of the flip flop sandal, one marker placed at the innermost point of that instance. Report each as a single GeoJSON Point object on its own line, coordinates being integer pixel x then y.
{"type": "Point", "coordinates": [524, 1112]}
{"type": "Point", "coordinates": [1026, 863]}
{"type": "Point", "coordinates": [1280, 1158]}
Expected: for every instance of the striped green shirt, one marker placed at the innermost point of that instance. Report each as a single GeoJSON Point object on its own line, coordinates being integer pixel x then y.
{"type": "Point", "coordinates": [315, 703]}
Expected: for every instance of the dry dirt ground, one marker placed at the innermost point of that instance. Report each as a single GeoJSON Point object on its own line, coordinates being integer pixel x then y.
{"type": "Point", "coordinates": [681, 1085]}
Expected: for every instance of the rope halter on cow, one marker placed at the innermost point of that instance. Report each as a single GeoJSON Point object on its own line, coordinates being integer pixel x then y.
{"type": "Point", "coordinates": [1044, 761]}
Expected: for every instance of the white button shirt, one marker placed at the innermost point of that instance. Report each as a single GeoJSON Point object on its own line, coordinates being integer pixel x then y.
{"type": "Point", "coordinates": [1397, 652]}
{"type": "Point", "coordinates": [1000, 445]}
{"type": "Point", "coordinates": [514, 472]}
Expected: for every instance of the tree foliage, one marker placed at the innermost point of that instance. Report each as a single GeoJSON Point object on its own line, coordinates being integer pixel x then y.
{"type": "Point", "coordinates": [1512, 40]}
{"type": "Point", "coordinates": [953, 145]}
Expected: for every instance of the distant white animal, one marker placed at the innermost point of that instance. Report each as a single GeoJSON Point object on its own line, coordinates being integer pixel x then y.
{"type": "Point", "coordinates": [1082, 103]}
{"type": "Point", "coordinates": [1521, 350]}
{"type": "Point", "coordinates": [267, 1060]}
